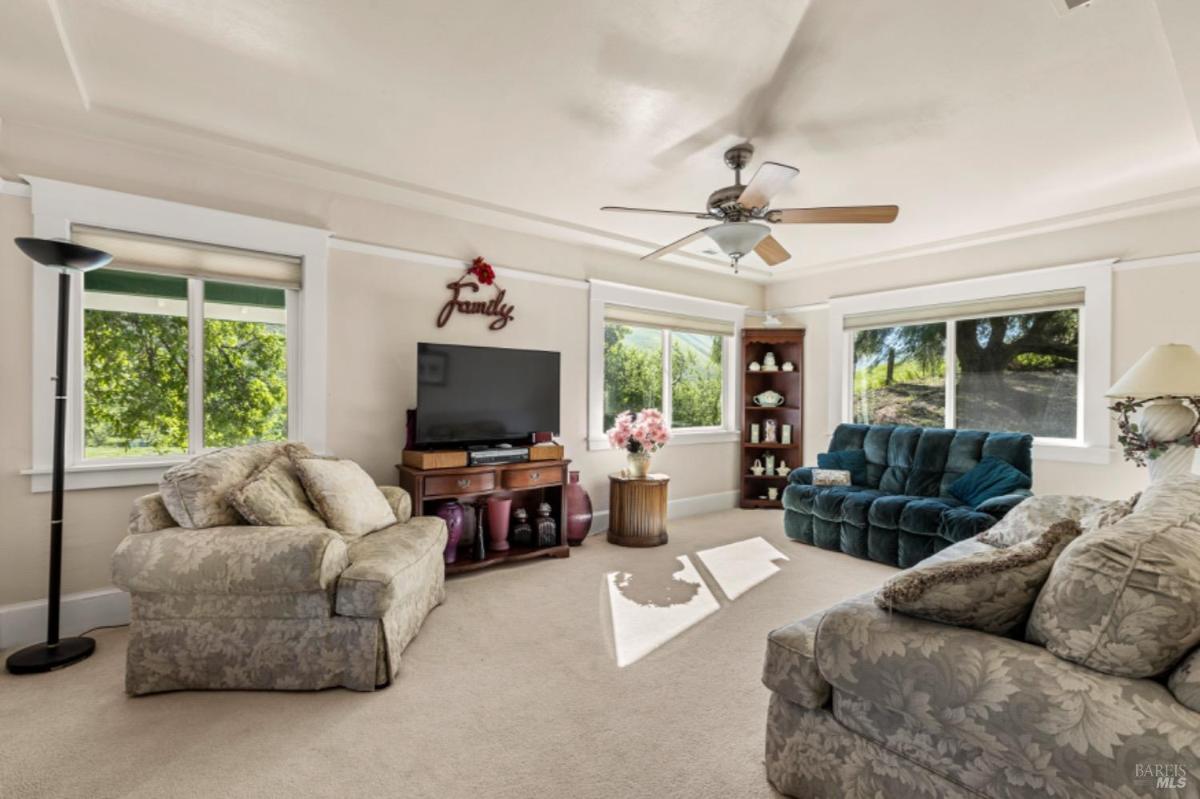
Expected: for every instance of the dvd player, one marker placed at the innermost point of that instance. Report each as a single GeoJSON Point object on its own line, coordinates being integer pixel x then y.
{"type": "Point", "coordinates": [493, 456]}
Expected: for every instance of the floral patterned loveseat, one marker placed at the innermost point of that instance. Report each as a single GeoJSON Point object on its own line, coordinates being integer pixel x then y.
{"type": "Point", "coordinates": [871, 703]}
{"type": "Point", "coordinates": [242, 606]}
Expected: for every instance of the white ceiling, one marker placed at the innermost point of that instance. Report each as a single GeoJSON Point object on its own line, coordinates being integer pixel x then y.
{"type": "Point", "coordinates": [972, 116]}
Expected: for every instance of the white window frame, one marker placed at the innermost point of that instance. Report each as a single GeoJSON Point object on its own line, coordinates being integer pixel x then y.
{"type": "Point", "coordinates": [1092, 443]}
{"type": "Point", "coordinates": [56, 207]}
{"type": "Point", "coordinates": [602, 293]}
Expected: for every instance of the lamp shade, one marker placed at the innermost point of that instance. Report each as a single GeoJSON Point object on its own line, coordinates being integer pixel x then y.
{"type": "Point", "coordinates": [736, 239]}
{"type": "Point", "coordinates": [60, 254]}
{"type": "Point", "coordinates": [1168, 370]}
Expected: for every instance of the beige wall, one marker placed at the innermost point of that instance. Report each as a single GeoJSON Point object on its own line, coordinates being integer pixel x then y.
{"type": "Point", "coordinates": [1150, 306]}
{"type": "Point", "coordinates": [379, 308]}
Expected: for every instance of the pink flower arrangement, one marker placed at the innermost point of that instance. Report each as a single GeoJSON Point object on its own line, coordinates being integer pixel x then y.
{"type": "Point", "coordinates": [643, 432]}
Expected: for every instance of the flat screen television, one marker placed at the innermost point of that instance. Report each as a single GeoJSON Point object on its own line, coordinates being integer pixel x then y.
{"type": "Point", "coordinates": [484, 395]}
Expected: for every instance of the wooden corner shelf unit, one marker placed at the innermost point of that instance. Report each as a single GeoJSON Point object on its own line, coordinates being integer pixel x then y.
{"type": "Point", "coordinates": [788, 345]}
{"type": "Point", "coordinates": [529, 484]}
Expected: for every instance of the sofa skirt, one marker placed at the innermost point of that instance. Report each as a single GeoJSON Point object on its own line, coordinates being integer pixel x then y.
{"type": "Point", "coordinates": [219, 652]}
{"type": "Point", "coordinates": [810, 755]}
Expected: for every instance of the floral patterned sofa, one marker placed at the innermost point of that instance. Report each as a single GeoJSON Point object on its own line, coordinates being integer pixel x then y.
{"type": "Point", "coordinates": [242, 606]}
{"type": "Point", "coordinates": [871, 703]}
{"type": "Point", "coordinates": [903, 513]}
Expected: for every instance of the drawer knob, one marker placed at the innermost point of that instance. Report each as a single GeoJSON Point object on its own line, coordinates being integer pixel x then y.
{"type": "Point", "coordinates": [535, 476]}
{"type": "Point", "coordinates": [464, 482]}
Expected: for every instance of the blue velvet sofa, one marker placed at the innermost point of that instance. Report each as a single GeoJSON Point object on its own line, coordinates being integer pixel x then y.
{"type": "Point", "coordinates": [905, 512]}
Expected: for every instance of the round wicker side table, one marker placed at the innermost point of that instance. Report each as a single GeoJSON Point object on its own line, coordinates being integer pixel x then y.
{"type": "Point", "coordinates": [637, 510]}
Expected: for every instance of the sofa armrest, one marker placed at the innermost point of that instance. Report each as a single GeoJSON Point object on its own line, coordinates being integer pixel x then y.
{"type": "Point", "coordinates": [237, 560]}
{"type": "Point", "coordinates": [998, 506]}
{"type": "Point", "coordinates": [400, 501]}
{"type": "Point", "coordinates": [149, 514]}
{"type": "Point", "coordinates": [801, 476]}
{"type": "Point", "coordinates": [790, 667]}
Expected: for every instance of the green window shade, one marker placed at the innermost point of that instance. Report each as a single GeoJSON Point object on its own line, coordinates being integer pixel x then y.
{"type": "Point", "coordinates": [236, 294]}
{"type": "Point", "coordinates": [141, 284]}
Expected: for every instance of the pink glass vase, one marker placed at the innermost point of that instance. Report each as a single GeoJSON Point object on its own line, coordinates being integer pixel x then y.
{"type": "Point", "coordinates": [499, 509]}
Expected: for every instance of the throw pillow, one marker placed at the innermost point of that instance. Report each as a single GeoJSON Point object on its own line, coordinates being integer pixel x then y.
{"type": "Point", "coordinates": [195, 492]}
{"type": "Point", "coordinates": [991, 477]}
{"type": "Point", "coordinates": [991, 591]}
{"type": "Point", "coordinates": [345, 496]}
{"type": "Point", "coordinates": [1030, 517]}
{"type": "Point", "coordinates": [830, 477]}
{"type": "Point", "coordinates": [1185, 682]}
{"type": "Point", "coordinates": [273, 495]}
{"type": "Point", "coordinates": [850, 460]}
{"type": "Point", "coordinates": [1125, 599]}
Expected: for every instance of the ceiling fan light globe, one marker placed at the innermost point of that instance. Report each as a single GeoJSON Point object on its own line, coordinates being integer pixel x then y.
{"type": "Point", "coordinates": [738, 238]}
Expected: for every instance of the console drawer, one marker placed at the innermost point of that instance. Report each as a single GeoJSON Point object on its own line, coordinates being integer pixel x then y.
{"type": "Point", "coordinates": [452, 484]}
{"type": "Point", "coordinates": [532, 478]}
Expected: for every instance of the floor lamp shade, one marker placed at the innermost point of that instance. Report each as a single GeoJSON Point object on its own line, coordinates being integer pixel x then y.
{"type": "Point", "coordinates": [57, 652]}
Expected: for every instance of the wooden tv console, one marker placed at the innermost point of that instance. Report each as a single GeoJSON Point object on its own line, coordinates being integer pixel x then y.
{"type": "Point", "coordinates": [529, 483]}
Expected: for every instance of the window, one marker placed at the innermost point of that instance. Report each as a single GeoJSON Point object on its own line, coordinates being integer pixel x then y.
{"type": "Point", "coordinates": [900, 374]}
{"type": "Point", "coordinates": [651, 349]}
{"type": "Point", "coordinates": [1010, 372]}
{"type": "Point", "coordinates": [159, 247]}
{"type": "Point", "coordinates": [633, 373]}
{"type": "Point", "coordinates": [633, 369]}
{"type": "Point", "coordinates": [136, 354]}
{"type": "Point", "coordinates": [1026, 352]}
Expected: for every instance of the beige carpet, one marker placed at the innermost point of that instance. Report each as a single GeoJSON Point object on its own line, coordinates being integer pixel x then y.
{"type": "Point", "coordinates": [512, 689]}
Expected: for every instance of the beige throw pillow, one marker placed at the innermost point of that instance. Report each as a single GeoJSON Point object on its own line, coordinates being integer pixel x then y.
{"type": "Point", "coordinates": [273, 495]}
{"type": "Point", "coordinates": [991, 591]}
{"type": "Point", "coordinates": [1032, 516]}
{"type": "Point", "coordinates": [345, 496]}
{"type": "Point", "coordinates": [1125, 600]}
{"type": "Point", "coordinates": [195, 492]}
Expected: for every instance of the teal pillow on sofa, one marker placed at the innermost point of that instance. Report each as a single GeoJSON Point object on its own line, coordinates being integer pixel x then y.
{"type": "Point", "coordinates": [991, 477]}
{"type": "Point", "coordinates": [851, 460]}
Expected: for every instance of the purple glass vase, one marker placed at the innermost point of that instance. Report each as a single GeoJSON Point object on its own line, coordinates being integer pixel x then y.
{"type": "Point", "coordinates": [452, 513]}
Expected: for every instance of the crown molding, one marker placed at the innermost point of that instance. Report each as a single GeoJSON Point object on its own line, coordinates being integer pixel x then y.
{"type": "Point", "coordinates": [1185, 198]}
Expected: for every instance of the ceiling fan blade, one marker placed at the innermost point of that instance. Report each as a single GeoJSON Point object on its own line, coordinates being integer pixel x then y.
{"type": "Point", "coordinates": [694, 214]}
{"type": "Point", "coordinates": [880, 214]}
{"type": "Point", "coordinates": [675, 245]}
{"type": "Point", "coordinates": [766, 183]}
{"type": "Point", "coordinates": [771, 251]}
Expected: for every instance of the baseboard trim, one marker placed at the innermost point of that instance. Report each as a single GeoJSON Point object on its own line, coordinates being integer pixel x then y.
{"type": "Point", "coordinates": [680, 508]}
{"type": "Point", "coordinates": [24, 623]}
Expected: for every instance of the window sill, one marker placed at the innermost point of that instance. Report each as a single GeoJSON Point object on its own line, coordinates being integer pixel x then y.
{"type": "Point", "coordinates": [1072, 453]}
{"type": "Point", "coordinates": [103, 475]}
{"type": "Point", "coordinates": [680, 438]}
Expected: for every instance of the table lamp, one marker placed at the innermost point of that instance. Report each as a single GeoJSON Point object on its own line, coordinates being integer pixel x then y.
{"type": "Point", "coordinates": [1165, 385]}
{"type": "Point", "coordinates": [57, 652]}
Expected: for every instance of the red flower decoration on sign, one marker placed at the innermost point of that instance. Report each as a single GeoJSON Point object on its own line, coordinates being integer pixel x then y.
{"type": "Point", "coordinates": [483, 270]}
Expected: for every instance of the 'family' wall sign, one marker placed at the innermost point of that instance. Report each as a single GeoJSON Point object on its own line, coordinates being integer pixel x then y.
{"type": "Point", "coordinates": [479, 272]}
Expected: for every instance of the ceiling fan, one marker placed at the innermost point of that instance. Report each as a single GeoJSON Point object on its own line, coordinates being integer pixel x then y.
{"type": "Point", "coordinates": [742, 210]}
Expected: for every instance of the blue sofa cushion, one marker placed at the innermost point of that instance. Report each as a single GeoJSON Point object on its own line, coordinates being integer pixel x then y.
{"type": "Point", "coordinates": [850, 460]}
{"type": "Point", "coordinates": [991, 478]}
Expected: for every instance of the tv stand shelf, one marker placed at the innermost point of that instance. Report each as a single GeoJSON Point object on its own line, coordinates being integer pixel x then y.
{"type": "Point", "coordinates": [529, 483]}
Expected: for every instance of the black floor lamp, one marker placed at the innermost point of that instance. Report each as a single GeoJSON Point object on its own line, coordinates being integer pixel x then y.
{"type": "Point", "coordinates": [57, 652]}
